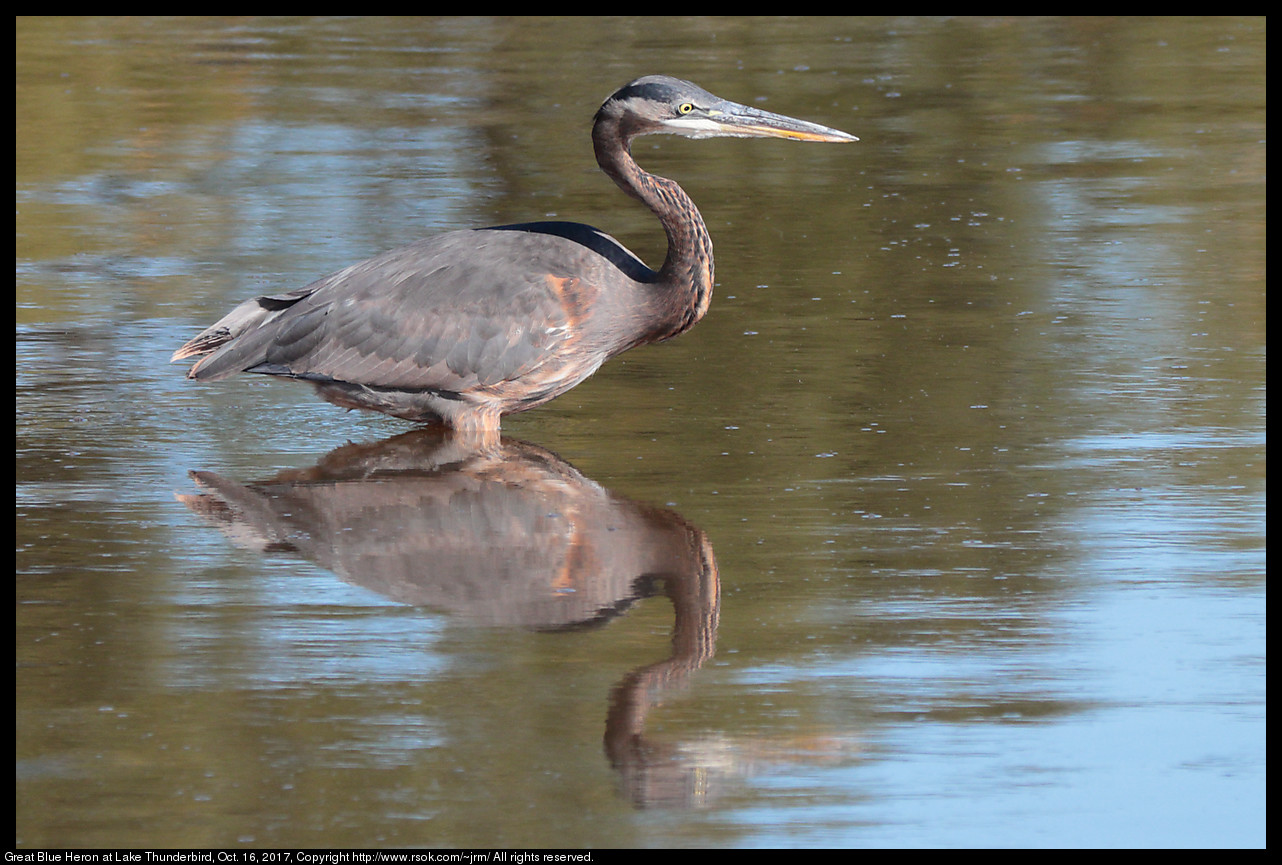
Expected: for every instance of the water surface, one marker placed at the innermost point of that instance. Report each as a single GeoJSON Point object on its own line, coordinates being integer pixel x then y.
{"type": "Point", "coordinates": [945, 528]}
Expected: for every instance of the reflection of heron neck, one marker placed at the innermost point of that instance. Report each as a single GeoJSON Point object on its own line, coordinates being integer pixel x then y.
{"type": "Point", "coordinates": [687, 272]}
{"type": "Point", "coordinates": [651, 769]}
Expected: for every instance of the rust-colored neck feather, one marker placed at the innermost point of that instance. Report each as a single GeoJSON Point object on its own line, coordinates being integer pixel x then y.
{"type": "Point", "coordinates": [685, 280]}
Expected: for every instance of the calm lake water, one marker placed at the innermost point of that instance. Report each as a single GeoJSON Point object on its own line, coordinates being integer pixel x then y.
{"type": "Point", "coordinates": [945, 528]}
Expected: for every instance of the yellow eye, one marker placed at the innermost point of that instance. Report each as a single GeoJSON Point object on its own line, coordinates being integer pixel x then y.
{"type": "Point", "coordinates": [685, 107]}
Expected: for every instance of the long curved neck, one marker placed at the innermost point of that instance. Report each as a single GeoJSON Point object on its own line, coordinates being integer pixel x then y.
{"type": "Point", "coordinates": [685, 281]}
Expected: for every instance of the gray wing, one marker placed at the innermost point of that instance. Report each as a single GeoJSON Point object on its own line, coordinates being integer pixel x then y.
{"type": "Point", "coordinates": [453, 312]}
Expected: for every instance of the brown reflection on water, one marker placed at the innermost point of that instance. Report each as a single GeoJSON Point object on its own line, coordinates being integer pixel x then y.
{"type": "Point", "coordinates": [508, 534]}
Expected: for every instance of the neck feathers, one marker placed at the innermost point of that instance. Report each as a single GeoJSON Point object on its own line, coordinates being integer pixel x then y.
{"type": "Point", "coordinates": [684, 283]}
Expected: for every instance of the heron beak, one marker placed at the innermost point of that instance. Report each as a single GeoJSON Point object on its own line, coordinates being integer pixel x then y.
{"type": "Point", "coordinates": [733, 119]}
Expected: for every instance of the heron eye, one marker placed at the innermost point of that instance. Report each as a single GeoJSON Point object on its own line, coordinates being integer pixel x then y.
{"type": "Point", "coordinates": [685, 107]}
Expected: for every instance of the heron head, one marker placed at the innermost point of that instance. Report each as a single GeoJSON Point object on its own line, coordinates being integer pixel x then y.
{"type": "Point", "coordinates": [657, 104]}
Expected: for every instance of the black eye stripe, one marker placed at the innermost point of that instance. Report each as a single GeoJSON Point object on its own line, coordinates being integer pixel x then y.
{"type": "Point", "coordinates": [649, 90]}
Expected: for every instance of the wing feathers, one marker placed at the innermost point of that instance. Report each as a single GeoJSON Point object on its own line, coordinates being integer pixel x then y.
{"type": "Point", "coordinates": [459, 311]}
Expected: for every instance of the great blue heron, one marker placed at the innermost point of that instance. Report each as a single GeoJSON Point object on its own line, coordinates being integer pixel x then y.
{"type": "Point", "coordinates": [468, 326]}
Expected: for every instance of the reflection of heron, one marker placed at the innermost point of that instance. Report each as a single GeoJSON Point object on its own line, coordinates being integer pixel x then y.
{"type": "Point", "coordinates": [506, 535]}
{"type": "Point", "coordinates": [468, 326]}
{"type": "Point", "coordinates": [510, 535]}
